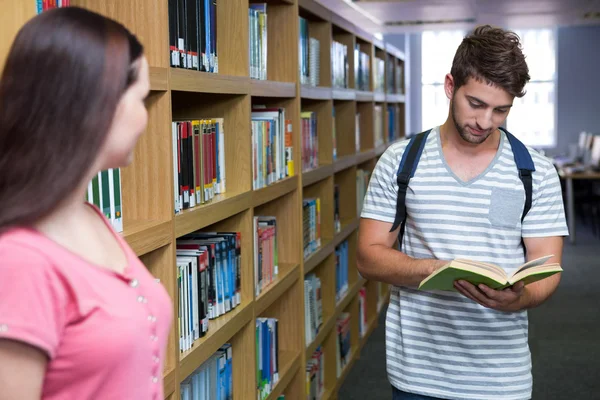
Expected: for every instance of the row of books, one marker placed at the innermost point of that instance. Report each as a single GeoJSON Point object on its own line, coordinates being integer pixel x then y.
{"type": "Point", "coordinates": [379, 75]}
{"type": "Point", "coordinates": [208, 280]}
{"type": "Point", "coordinates": [213, 379]}
{"type": "Point", "coordinates": [313, 307]}
{"type": "Point", "coordinates": [392, 116]}
{"type": "Point", "coordinates": [257, 22]}
{"type": "Point", "coordinates": [343, 343]}
{"type": "Point", "coordinates": [333, 133]}
{"type": "Point", "coordinates": [315, 375]}
{"type": "Point", "coordinates": [272, 147]}
{"type": "Point", "coordinates": [362, 312]}
{"type": "Point", "coordinates": [339, 65]}
{"type": "Point", "coordinates": [198, 161]}
{"type": "Point", "coordinates": [309, 55]}
{"type": "Point", "coordinates": [311, 224]}
{"type": "Point", "coordinates": [104, 191]}
{"type": "Point", "coordinates": [43, 5]}
{"type": "Point", "coordinates": [310, 140]}
{"type": "Point", "coordinates": [378, 130]}
{"type": "Point", "coordinates": [267, 355]}
{"type": "Point", "coordinates": [193, 35]}
{"type": "Point", "coordinates": [337, 223]}
{"type": "Point", "coordinates": [341, 271]}
{"type": "Point", "coordinates": [266, 259]}
{"type": "Point", "coordinates": [395, 74]}
{"type": "Point", "coordinates": [362, 183]}
{"type": "Point", "coordinates": [362, 69]}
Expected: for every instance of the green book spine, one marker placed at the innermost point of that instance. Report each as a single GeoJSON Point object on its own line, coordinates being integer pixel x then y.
{"type": "Point", "coordinates": [105, 194]}
{"type": "Point", "coordinates": [96, 192]}
{"type": "Point", "coordinates": [118, 200]}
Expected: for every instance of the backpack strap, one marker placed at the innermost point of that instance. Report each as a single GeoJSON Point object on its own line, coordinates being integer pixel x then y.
{"type": "Point", "coordinates": [406, 170]}
{"type": "Point", "coordinates": [525, 166]}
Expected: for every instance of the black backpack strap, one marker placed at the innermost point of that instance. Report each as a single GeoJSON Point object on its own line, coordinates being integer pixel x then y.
{"type": "Point", "coordinates": [406, 170]}
{"type": "Point", "coordinates": [525, 166]}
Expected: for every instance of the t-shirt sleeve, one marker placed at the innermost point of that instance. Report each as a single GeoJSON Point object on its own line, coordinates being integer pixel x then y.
{"type": "Point", "coordinates": [32, 298]}
{"type": "Point", "coordinates": [382, 191]}
{"type": "Point", "coordinates": [547, 214]}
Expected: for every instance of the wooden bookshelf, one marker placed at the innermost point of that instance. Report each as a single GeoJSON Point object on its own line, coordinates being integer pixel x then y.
{"type": "Point", "coordinates": [151, 226]}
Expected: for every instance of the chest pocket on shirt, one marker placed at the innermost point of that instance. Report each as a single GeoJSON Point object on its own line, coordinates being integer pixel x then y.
{"type": "Point", "coordinates": [506, 207]}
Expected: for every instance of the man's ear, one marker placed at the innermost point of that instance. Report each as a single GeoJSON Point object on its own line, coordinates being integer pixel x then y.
{"type": "Point", "coordinates": [449, 86]}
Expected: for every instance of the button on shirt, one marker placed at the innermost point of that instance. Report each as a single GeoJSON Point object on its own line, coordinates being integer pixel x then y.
{"type": "Point", "coordinates": [105, 333]}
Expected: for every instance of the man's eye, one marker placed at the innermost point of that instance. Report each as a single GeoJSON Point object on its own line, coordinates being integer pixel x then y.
{"type": "Point", "coordinates": [474, 105]}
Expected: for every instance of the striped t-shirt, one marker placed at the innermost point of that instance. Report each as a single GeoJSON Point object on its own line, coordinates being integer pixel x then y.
{"type": "Point", "coordinates": [443, 344]}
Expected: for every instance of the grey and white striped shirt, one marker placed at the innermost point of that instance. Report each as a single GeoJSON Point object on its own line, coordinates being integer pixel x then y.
{"type": "Point", "coordinates": [442, 344]}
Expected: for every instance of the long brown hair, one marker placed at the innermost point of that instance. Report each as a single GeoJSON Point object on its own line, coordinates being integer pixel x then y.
{"type": "Point", "coordinates": [494, 56]}
{"type": "Point", "coordinates": [62, 81]}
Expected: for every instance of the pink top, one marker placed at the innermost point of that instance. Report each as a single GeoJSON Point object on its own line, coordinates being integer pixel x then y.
{"type": "Point", "coordinates": [105, 333]}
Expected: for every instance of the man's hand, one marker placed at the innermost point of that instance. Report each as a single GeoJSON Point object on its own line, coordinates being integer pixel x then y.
{"type": "Point", "coordinates": [507, 300]}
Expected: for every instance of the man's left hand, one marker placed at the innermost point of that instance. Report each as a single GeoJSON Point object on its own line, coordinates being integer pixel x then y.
{"type": "Point", "coordinates": [502, 300]}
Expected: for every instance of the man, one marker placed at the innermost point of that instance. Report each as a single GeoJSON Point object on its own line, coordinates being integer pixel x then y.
{"type": "Point", "coordinates": [465, 200]}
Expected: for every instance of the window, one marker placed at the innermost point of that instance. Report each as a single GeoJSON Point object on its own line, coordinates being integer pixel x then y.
{"type": "Point", "coordinates": [437, 53]}
{"type": "Point", "coordinates": [533, 117]}
{"type": "Point", "coordinates": [539, 47]}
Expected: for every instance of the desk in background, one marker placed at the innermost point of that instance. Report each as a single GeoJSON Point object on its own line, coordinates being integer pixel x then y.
{"type": "Point", "coordinates": [569, 174]}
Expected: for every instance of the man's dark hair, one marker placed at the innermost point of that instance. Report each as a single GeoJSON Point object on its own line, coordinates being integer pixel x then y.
{"type": "Point", "coordinates": [494, 56]}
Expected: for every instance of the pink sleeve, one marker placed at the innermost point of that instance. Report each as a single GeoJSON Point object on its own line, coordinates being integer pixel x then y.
{"type": "Point", "coordinates": [32, 298]}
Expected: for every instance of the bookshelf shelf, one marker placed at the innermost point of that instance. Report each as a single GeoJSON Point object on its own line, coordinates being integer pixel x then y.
{"type": "Point", "coordinates": [379, 97]}
{"type": "Point", "coordinates": [170, 383]}
{"type": "Point", "coordinates": [159, 79]}
{"type": "Point", "coordinates": [342, 377]}
{"type": "Point", "coordinates": [315, 175]}
{"type": "Point", "coordinates": [347, 229]}
{"type": "Point", "coordinates": [289, 363]}
{"type": "Point", "coordinates": [151, 226]}
{"type": "Point", "coordinates": [288, 275]}
{"type": "Point", "coordinates": [364, 96]}
{"type": "Point", "coordinates": [328, 324]}
{"type": "Point", "coordinates": [395, 98]}
{"type": "Point", "coordinates": [204, 82]}
{"type": "Point", "coordinates": [260, 88]}
{"type": "Point", "coordinates": [315, 92]}
{"type": "Point", "coordinates": [274, 191]}
{"type": "Point", "coordinates": [343, 94]}
{"type": "Point", "coordinates": [344, 162]}
{"type": "Point", "coordinates": [221, 207]}
{"type": "Point", "coordinates": [310, 263]}
{"type": "Point", "coordinates": [146, 236]}
{"type": "Point", "coordinates": [220, 331]}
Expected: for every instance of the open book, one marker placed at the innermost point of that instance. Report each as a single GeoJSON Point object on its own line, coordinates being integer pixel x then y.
{"type": "Point", "coordinates": [489, 274]}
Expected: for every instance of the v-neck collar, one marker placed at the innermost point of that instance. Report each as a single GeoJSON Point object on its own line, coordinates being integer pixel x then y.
{"type": "Point", "coordinates": [476, 178]}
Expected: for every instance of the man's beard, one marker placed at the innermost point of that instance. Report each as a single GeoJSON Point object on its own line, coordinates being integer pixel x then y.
{"type": "Point", "coordinates": [462, 131]}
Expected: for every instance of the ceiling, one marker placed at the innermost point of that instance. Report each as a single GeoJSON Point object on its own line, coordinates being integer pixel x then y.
{"type": "Point", "coordinates": [399, 16]}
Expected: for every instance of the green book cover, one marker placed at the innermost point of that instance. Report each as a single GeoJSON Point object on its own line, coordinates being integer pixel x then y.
{"type": "Point", "coordinates": [105, 194]}
{"type": "Point", "coordinates": [96, 192]}
{"type": "Point", "coordinates": [490, 275]}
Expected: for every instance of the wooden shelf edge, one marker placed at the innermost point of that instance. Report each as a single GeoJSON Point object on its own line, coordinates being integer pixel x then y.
{"type": "Point", "coordinates": [318, 256]}
{"type": "Point", "coordinates": [371, 325]}
{"type": "Point", "coordinates": [221, 207]}
{"type": "Point", "coordinates": [325, 329]}
{"type": "Point", "coordinates": [146, 236]}
{"type": "Point", "coordinates": [315, 92]}
{"type": "Point", "coordinates": [262, 88]}
{"type": "Point", "coordinates": [159, 79]}
{"type": "Point", "coordinates": [395, 98]}
{"type": "Point", "coordinates": [351, 294]}
{"type": "Point", "coordinates": [316, 9]}
{"type": "Point", "coordinates": [346, 230]}
{"type": "Point", "coordinates": [381, 149]}
{"type": "Point", "coordinates": [364, 96]}
{"type": "Point", "coordinates": [365, 156]}
{"type": "Point", "coordinates": [169, 383]}
{"type": "Point", "coordinates": [223, 329]}
{"type": "Point", "coordinates": [379, 97]}
{"type": "Point", "coordinates": [344, 162]}
{"type": "Point", "coordinates": [205, 82]}
{"type": "Point", "coordinates": [317, 174]}
{"type": "Point", "coordinates": [274, 191]}
{"type": "Point", "coordinates": [343, 94]}
{"type": "Point", "coordinates": [287, 372]}
{"type": "Point", "coordinates": [290, 273]}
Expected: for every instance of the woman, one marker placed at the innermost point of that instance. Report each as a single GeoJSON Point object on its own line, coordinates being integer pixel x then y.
{"type": "Point", "coordinates": [80, 316]}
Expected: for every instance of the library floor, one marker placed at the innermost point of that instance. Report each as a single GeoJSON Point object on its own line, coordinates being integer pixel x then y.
{"type": "Point", "coordinates": [564, 336]}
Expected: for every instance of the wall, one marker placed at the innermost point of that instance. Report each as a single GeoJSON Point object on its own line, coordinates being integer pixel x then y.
{"type": "Point", "coordinates": [578, 84]}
